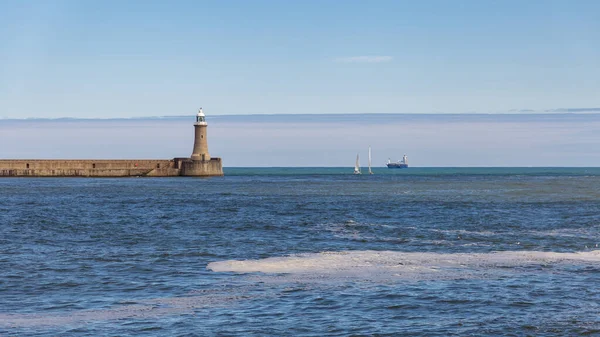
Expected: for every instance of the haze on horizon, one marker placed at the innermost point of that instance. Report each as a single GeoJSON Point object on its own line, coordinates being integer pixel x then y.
{"type": "Point", "coordinates": [115, 59]}
{"type": "Point", "coordinates": [556, 140]}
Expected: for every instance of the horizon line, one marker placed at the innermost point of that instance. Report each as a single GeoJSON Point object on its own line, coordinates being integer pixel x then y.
{"type": "Point", "coordinates": [554, 112]}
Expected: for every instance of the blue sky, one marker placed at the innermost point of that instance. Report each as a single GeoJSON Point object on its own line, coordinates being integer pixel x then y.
{"type": "Point", "coordinates": [152, 58]}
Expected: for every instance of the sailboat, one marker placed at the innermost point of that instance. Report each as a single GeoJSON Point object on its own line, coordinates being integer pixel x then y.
{"type": "Point", "coordinates": [370, 172]}
{"type": "Point", "coordinates": [357, 166]}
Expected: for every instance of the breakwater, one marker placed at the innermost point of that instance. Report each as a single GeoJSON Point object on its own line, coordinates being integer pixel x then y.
{"type": "Point", "coordinates": [199, 164]}
{"type": "Point", "coordinates": [110, 168]}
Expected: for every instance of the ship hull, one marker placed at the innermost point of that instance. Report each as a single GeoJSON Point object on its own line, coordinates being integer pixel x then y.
{"type": "Point", "coordinates": [397, 166]}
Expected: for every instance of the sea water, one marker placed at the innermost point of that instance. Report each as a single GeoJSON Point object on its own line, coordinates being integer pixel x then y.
{"type": "Point", "coordinates": [304, 252]}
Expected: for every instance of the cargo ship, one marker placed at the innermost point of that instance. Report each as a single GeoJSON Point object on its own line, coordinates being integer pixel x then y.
{"type": "Point", "coordinates": [399, 164]}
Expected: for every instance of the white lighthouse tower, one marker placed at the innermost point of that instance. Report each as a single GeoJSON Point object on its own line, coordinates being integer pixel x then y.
{"type": "Point", "coordinates": [200, 142]}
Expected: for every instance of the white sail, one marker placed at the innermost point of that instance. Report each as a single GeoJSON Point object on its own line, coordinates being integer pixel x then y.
{"type": "Point", "coordinates": [357, 166]}
{"type": "Point", "coordinates": [370, 172]}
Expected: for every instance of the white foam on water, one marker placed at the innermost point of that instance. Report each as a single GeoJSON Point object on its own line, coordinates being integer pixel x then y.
{"type": "Point", "coordinates": [464, 232]}
{"type": "Point", "coordinates": [378, 264]}
{"type": "Point", "coordinates": [564, 232]}
{"type": "Point", "coordinates": [152, 308]}
{"type": "Point", "coordinates": [320, 268]}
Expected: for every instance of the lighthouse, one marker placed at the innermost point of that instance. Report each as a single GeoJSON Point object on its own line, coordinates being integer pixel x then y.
{"type": "Point", "coordinates": [201, 164]}
{"type": "Point", "coordinates": [200, 142]}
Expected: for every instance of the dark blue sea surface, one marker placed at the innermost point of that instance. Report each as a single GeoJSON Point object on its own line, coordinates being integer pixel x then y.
{"type": "Point", "coordinates": [304, 252]}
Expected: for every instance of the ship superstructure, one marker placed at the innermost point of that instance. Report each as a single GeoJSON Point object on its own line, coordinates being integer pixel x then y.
{"type": "Point", "coordinates": [399, 164]}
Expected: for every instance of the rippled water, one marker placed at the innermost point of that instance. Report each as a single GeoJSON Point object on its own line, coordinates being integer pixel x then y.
{"type": "Point", "coordinates": [304, 252]}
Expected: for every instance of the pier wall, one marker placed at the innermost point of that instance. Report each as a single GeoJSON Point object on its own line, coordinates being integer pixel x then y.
{"type": "Point", "coordinates": [84, 168]}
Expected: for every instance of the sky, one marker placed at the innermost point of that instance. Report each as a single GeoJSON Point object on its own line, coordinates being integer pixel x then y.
{"type": "Point", "coordinates": [111, 59]}
{"type": "Point", "coordinates": [447, 140]}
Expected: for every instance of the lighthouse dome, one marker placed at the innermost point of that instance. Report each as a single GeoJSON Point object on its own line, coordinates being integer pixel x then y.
{"type": "Point", "coordinates": [200, 118]}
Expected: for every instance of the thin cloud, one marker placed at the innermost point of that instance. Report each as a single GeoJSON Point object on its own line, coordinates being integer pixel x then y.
{"type": "Point", "coordinates": [574, 110]}
{"type": "Point", "coordinates": [364, 59]}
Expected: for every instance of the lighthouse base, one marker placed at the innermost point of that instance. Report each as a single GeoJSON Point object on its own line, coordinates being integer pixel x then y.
{"type": "Point", "coordinates": [202, 168]}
